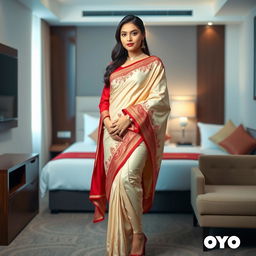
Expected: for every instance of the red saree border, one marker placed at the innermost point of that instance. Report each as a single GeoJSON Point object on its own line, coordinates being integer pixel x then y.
{"type": "Point", "coordinates": [137, 127]}
{"type": "Point", "coordinates": [99, 220]}
{"type": "Point", "coordinates": [142, 121]}
{"type": "Point", "coordinates": [143, 124]}
{"type": "Point", "coordinates": [97, 193]}
{"type": "Point", "coordinates": [99, 210]}
{"type": "Point", "coordinates": [119, 72]}
{"type": "Point", "coordinates": [123, 152]}
{"type": "Point", "coordinates": [136, 61]}
{"type": "Point", "coordinates": [100, 136]}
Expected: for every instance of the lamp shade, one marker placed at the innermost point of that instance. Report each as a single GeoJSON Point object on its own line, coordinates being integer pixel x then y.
{"type": "Point", "coordinates": [183, 109]}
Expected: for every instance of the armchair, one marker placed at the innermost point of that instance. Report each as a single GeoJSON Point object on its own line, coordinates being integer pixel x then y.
{"type": "Point", "coordinates": [223, 192]}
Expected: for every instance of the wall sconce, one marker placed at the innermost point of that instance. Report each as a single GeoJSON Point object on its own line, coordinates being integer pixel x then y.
{"type": "Point", "coordinates": [183, 109]}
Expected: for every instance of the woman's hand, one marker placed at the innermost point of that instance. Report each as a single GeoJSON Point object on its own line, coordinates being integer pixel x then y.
{"type": "Point", "coordinates": [108, 123]}
{"type": "Point", "coordinates": [120, 125]}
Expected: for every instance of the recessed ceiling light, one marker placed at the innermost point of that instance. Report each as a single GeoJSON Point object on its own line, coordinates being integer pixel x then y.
{"type": "Point", "coordinates": [210, 23]}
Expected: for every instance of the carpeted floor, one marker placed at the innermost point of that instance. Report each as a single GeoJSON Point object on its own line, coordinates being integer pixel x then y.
{"type": "Point", "coordinates": [74, 234]}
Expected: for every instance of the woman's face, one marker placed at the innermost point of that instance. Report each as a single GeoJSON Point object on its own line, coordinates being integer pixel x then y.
{"type": "Point", "coordinates": [131, 37]}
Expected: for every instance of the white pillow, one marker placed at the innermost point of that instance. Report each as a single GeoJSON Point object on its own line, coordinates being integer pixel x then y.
{"type": "Point", "coordinates": [206, 131]}
{"type": "Point", "coordinates": [91, 122]}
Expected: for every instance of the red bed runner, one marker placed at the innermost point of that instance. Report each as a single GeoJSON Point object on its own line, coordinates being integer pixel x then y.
{"type": "Point", "coordinates": [186, 156]}
{"type": "Point", "coordinates": [181, 155]}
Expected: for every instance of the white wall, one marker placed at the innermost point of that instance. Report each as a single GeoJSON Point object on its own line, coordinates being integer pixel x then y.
{"type": "Point", "coordinates": [15, 31]}
{"type": "Point", "coordinates": [240, 106]}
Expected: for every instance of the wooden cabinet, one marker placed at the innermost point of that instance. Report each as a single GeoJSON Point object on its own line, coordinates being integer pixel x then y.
{"type": "Point", "coordinates": [19, 198]}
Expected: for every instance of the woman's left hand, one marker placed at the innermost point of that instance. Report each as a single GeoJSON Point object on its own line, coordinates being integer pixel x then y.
{"type": "Point", "coordinates": [120, 125]}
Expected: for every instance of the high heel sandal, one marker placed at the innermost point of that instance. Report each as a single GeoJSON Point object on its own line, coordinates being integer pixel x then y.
{"type": "Point", "coordinates": [144, 248]}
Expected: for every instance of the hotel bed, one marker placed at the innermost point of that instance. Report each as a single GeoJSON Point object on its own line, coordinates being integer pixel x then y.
{"type": "Point", "coordinates": [68, 180]}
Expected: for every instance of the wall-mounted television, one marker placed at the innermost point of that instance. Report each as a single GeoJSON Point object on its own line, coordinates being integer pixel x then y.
{"type": "Point", "coordinates": [8, 87]}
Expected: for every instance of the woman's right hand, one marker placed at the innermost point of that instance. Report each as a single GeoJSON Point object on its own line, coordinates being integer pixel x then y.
{"type": "Point", "coordinates": [108, 124]}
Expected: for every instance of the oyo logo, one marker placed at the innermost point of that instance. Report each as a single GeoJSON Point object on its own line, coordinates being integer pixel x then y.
{"type": "Point", "coordinates": [233, 242]}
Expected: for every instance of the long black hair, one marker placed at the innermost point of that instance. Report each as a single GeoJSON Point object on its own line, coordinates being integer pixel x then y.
{"type": "Point", "coordinates": [119, 53]}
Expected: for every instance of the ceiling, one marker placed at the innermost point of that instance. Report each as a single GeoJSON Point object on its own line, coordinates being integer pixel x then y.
{"type": "Point", "coordinates": [131, 2]}
{"type": "Point", "coordinates": [69, 12]}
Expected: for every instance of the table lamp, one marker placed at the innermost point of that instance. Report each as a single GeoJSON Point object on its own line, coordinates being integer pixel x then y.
{"type": "Point", "coordinates": [183, 109]}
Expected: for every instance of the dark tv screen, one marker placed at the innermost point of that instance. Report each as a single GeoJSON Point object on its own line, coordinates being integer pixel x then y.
{"type": "Point", "coordinates": [8, 87]}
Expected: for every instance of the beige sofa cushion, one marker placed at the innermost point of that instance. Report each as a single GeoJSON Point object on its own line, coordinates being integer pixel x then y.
{"type": "Point", "coordinates": [227, 200]}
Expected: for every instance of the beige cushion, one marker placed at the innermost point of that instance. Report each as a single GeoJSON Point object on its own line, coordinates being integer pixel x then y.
{"type": "Point", "coordinates": [223, 133]}
{"type": "Point", "coordinates": [227, 200]}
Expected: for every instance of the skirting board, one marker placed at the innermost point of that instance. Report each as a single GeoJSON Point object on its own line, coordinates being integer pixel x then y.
{"type": "Point", "coordinates": [78, 201]}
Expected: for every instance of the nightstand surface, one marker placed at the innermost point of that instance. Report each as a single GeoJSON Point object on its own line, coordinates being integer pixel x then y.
{"type": "Point", "coordinates": [56, 149]}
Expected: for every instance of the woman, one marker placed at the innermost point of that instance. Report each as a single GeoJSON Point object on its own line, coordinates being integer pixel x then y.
{"type": "Point", "coordinates": [134, 108]}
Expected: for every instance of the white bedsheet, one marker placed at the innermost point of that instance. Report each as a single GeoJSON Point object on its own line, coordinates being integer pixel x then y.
{"type": "Point", "coordinates": [75, 174]}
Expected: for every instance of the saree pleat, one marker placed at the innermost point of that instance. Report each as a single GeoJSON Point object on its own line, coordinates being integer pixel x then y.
{"type": "Point", "coordinates": [119, 233]}
{"type": "Point", "coordinates": [125, 203]}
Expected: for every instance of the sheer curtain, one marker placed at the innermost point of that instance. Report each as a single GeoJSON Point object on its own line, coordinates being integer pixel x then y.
{"type": "Point", "coordinates": [40, 90]}
{"type": "Point", "coordinates": [36, 86]}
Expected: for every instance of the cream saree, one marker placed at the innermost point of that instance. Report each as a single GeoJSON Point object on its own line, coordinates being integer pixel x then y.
{"type": "Point", "coordinates": [125, 172]}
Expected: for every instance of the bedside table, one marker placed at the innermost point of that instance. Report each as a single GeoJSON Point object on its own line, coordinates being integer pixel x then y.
{"type": "Point", "coordinates": [56, 149]}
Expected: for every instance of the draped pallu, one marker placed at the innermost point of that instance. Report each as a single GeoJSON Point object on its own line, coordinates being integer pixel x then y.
{"type": "Point", "coordinates": [140, 91]}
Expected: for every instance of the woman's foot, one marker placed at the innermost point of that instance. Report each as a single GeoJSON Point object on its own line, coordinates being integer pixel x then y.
{"type": "Point", "coordinates": [138, 244]}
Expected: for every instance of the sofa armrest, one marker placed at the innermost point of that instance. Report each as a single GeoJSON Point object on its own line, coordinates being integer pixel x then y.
{"type": "Point", "coordinates": [197, 185]}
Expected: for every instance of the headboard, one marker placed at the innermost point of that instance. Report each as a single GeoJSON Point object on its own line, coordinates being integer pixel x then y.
{"type": "Point", "coordinates": [88, 104]}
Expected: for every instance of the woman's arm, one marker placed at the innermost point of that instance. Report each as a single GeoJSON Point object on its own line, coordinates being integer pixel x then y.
{"type": "Point", "coordinates": [104, 103]}
{"type": "Point", "coordinates": [104, 112]}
